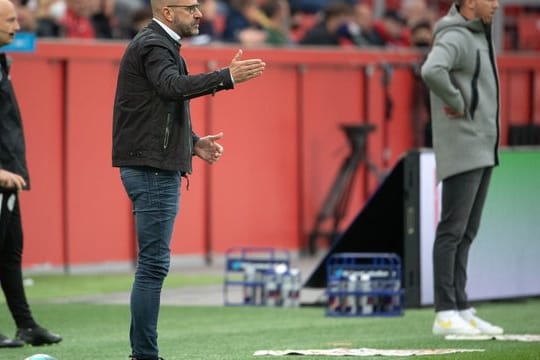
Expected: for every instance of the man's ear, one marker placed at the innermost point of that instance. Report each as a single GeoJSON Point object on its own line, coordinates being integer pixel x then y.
{"type": "Point", "coordinates": [167, 14]}
{"type": "Point", "coordinates": [470, 4]}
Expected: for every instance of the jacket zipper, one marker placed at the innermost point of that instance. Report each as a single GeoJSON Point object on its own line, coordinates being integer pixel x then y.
{"type": "Point", "coordinates": [495, 74]}
{"type": "Point", "coordinates": [167, 132]}
{"type": "Point", "coordinates": [474, 85]}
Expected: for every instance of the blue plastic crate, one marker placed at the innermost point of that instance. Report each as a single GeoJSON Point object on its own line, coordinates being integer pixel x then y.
{"type": "Point", "coordinates": [255, 276]}
{"type": "Point", "coordinates": [364, 284]}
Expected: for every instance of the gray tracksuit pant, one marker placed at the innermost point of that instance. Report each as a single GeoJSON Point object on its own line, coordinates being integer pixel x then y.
{"type": "Point", "coordinates": [463, 198]}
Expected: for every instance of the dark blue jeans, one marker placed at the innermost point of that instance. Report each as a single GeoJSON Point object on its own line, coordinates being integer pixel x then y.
{"type": "Point", "coordinates": [155, 195]}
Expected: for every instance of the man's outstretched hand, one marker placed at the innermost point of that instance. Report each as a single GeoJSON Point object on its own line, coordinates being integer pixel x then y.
{"type": "Point", "coordinates": [244, 70]}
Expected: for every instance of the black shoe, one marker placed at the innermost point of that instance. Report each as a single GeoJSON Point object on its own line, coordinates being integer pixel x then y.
{"type": "Point", "coordinates": [37, 336]}
{"type": "Point", "coordinates": [6, 342]}
{"type": "Point", "coordinates": [134, 358]}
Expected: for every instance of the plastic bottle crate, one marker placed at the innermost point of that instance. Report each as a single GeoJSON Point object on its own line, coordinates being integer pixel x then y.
{"type": "Point", "coordinates": [364, 284]}
{"type": "Point", "coordinates": [281, 287]}
{"type": "Point", "coordinates": [260, 277]}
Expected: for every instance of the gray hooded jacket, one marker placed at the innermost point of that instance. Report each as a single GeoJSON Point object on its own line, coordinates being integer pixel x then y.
{"type": "Point", "coordinates": [461, 73]}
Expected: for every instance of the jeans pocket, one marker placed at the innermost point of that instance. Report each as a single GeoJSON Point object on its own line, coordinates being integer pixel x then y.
{"type": "Point", "coordinates": [135, 182]}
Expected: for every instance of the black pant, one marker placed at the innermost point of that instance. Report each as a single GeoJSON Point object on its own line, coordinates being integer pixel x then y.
{"type": "Point", "coordinates": [11, 248]}
{"type": "Point", "coordinates": [463, 198]}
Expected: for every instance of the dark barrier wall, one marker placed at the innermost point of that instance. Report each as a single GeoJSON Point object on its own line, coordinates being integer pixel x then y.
{"type": "Point", "coordinates": [283, 145]}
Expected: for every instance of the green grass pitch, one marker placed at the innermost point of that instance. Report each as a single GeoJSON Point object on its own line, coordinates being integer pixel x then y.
{"type": "Point", "coordinates": [93, 331]}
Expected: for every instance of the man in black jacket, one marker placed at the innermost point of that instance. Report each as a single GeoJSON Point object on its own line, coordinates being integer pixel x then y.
{"type": "Point", "coordinates": [13, 178]}
{"type": "Point", "coordinates": [153, 144]}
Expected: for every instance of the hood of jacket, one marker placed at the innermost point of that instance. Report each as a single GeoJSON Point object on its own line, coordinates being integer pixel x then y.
{"type": "Point", "coordinates": [455, 19]}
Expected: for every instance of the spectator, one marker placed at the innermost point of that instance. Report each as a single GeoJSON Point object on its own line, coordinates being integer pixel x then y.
{"type": "Point", "coordinates": [421, 34]}
{"type": "Point", "coordinates": [126, 13]}
{"type": "Point", "coordinates": [328, 31]}
{"type": "Point", "coordinates": [414, 11]}
{"type": "Point", "coordinates": [279, 24]}
{"type": "Point", "coordinates": [49, 14]}
{"type": "Point", "coordinates": [244, 23]}
{"type": "Point", "coordinates": [207, 28]}
{"type": "Point", "coordinates": [102, 18]}
{"type": "Point", "coordinates": [392, 30]}
{"type": "Point", "coordinates": [76, 20]}
{"type": "Point", "coordinates": [139, 19]}
{"type": "Point", "coordinates": [25, 16]}
{"type": "Point", "coordinates": [86, 19]}
{"type": "Point", "coordinates": [361, 31]}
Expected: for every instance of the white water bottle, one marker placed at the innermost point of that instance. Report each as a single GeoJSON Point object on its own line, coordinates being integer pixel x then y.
{"type": "Point", "coordinates": [365, 289]}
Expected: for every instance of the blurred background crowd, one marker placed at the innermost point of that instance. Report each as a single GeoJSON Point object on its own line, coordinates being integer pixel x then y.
{"type": "Point", "coordinates": [353, 23]}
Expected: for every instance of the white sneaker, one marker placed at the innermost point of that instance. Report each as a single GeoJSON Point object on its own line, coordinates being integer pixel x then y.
{"type": "Point", "coordinates": [483, 326]}
{"type": "Point", "coordinates": [450, 322]}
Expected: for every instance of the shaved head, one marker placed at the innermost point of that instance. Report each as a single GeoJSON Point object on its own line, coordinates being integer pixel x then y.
{"type": "Point", "coordinates": [9, 24]}
{"type": "Point", "coordinates": [157, 5]}
{"type": "Point", "coordinates": [183, 19]}
{"type": "Point", "coordinates": [6, 4]}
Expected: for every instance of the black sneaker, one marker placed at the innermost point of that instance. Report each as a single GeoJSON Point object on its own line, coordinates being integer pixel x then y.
{"type": "Point", "coordinates": [6, 342]}
{"type": "Point", "coordinates": [134, 358]}
{"type": "Point", "coordinates": [37, 336]}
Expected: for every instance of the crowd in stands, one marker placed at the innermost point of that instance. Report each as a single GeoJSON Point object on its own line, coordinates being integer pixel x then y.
{"type": "Point", "coordinates": [404, 23]}
{"type": "Point", "coordinates": [248, 22]}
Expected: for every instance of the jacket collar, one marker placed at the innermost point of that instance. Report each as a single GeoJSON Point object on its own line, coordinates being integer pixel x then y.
{"type": "Point", "coordinates": [154, 25]}
{"type": "Point", "coordinates": [4, 64]}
